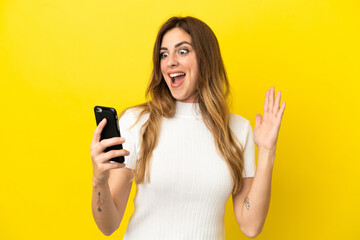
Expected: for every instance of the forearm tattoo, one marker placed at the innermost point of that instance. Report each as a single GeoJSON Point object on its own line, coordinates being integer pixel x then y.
{"type": "Point", "coordinates": [247, 203]}
{"type": "Point", "coordinates": [99, 203]}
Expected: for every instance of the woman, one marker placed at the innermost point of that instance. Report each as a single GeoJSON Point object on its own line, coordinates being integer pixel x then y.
{"type": "Point", "coordinates": [185, 151]}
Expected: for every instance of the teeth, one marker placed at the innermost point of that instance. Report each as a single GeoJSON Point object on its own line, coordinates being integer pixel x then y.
{"type": "Point", "coordinates": [176, 74]}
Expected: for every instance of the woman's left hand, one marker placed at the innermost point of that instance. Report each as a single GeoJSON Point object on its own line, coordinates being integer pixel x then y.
{"type": "Point", "coordinates": [267, 128]}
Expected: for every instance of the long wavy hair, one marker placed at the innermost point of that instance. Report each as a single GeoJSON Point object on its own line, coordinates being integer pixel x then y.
{"type": "Point", "coordinates": [212, 90]}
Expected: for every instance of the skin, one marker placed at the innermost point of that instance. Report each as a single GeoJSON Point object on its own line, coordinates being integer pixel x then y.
{"type": "Point", "coordinates": [110, 191]}
{"type": "Point", "coordinates": [251, 204]}
{"type": "Point", "coordinates": [112, 182]}
{"type": "Point", "coordinates": [177, 54]}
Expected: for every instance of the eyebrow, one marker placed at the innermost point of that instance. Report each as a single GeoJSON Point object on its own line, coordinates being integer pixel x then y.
{"type": "Point", "coordinates": [177, 45]}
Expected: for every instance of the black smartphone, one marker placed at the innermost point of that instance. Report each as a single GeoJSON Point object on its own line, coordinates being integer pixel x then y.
{"type": "Point", "coordinates": [111, 128]}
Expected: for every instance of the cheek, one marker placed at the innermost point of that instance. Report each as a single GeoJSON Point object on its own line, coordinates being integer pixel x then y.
{"type": "Point", "coordinates": [163, 74]}
{"type": "Point", "coordinates": [163, 68]}
{"type": "Point", "coordinates": [195, 71]}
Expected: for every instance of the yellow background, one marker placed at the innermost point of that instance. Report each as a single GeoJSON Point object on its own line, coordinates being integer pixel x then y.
{"type": "Point", "coordinates": [60, 58]}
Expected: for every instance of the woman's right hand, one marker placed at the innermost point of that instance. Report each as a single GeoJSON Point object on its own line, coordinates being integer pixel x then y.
{"type": "Point", "coordinates": [100, 159]}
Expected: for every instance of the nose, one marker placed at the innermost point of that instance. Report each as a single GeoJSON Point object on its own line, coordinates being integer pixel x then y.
{"type": "Point", "coordinates": [172, 61]}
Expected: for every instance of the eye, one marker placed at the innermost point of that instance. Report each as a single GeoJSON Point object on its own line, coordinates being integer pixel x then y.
{"type": "Point", "coordinates": [183, 51]}
{"type": "Point", "coordinates": [164, 55]}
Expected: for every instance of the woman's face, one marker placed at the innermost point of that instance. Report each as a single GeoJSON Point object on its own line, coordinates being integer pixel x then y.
{"type": "Point", "coordinates": [178, 65]}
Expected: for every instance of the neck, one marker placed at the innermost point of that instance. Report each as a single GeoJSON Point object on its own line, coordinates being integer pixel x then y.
{"type": "Point", "coordinates": [187, 109]}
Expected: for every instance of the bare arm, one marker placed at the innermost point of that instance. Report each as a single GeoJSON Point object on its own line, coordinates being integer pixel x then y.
{"type": "Point", "coordinates": [251, 204]}
{"type": "Point", "coordinates": [111, 182]}
{"type": "Point", "coordinates": [109, 200]}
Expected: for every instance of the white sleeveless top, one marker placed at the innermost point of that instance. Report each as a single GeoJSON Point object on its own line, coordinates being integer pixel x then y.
{"type": "Point", "coordinates": [189, 182]}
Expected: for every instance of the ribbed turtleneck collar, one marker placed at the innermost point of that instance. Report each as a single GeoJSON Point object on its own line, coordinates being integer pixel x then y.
{"type": "Point", "coordinates": [190, 110]}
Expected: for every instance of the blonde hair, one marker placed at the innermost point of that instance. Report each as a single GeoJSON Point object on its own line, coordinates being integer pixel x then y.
{"type": "Point", "coordinates": [212, 91]}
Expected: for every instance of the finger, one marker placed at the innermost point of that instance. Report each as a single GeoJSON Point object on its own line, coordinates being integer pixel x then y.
{"type": "Point", "coordinates": [112, 165]}
{"type": "Point", "coordinates": [98, 131]}
{"type": "Point", "coordinates": [281, 111]}
{"type": "Point", "coordinates": [109, 142]}
{"type": "Point", "coordinates": [105, 157]}
{"type": "Point", "coordinates": [266, 103]}
{"type": "Point", "coordinates": [277, 102]}
{"type": "Point", "coordinates": [271, 99]}
{"type": "Point", "coordinates": [115, 153]}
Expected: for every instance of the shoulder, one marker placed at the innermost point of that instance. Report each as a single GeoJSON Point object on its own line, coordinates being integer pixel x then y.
{"type": "Point", "coordinates": [241, 128]}
{"type": "Point", "coordinates": [131, 115]}
{"type": "Point", "coordinates": [238, 123]}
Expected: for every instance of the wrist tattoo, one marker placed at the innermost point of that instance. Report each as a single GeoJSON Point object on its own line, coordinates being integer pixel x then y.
{"type": "Point", "coordinates": [247, 203]}
{"type": "Point", "coordinates": [99, 203]}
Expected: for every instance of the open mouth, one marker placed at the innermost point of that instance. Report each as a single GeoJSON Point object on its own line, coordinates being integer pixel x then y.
{"type": "Point", "coordinates": [177, 77]}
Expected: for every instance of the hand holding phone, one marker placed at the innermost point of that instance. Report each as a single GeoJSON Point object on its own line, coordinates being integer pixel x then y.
{"type": "Point", "coordinates": [111, 128]}
{"type": "Point", "coordinates": [106, 146]}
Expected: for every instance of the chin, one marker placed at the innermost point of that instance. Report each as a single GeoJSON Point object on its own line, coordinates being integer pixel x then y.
{"type": "Point", "coordinates": [179, 98]}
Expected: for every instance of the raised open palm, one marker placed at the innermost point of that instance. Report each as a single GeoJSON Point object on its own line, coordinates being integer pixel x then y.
{"type": "Point", "coordinates": [267, 128]}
